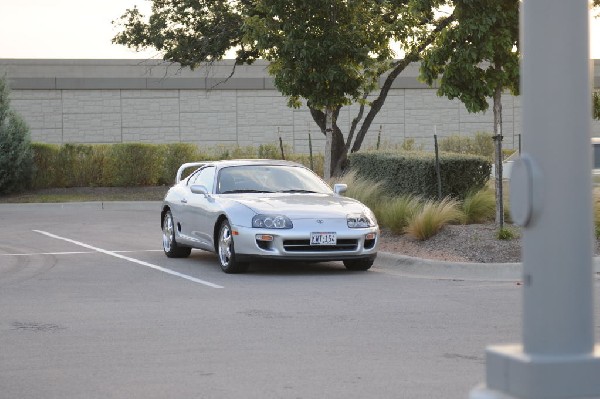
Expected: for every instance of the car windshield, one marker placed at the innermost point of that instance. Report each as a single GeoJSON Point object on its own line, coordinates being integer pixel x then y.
{"type": "Point", "coordinates": [269, 179]}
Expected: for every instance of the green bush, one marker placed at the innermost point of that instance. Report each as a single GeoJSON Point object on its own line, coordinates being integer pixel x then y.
{"type": "Point", "coordinates": [480, 144]}
{"type": "Point", "coordinates": [406, 173]}
{"type": "Point", "coordinates": [505, 234]}
{"type": "Point", "coordinates": [69, 165]}
{"type": "Point", "coordinates": [133, 164]}
{"type": "Point", "coordinates": [597, 212]}
{"type": "Point", "coordinates": [16, 156]}
{"type": "Point", "coordinates": [175, 155]}
{"type": "Point", "coordinates": [45, 159]}
{"type": "Point", "coordinates": [479, 206]}
{"type": "Point", "coordinates": [81, 165]}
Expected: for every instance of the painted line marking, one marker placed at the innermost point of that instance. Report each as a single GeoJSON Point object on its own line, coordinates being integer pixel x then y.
{"type": "Point", "coordinates": [127, 258]}
{"type": "Point", "coordinates": [80, 252]}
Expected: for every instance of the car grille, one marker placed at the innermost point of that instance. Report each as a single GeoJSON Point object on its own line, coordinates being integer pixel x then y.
{"type": "Point", "coordinates": [304, 246]}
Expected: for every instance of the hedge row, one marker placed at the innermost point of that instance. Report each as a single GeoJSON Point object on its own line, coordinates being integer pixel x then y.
{"type": "Point", "coordinates": [123, 165]}
{"type": "Point", "coordinates": [414, 172]}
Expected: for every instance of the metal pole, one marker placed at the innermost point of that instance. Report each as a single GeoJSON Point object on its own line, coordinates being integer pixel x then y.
{"type": "Point", "coordinates": [437, 167]}
{"type": "Point", "coordinates": [553, 201]}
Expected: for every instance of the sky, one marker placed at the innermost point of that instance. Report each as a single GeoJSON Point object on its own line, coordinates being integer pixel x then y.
{"type": "Point", "coordinates": [83, 29]}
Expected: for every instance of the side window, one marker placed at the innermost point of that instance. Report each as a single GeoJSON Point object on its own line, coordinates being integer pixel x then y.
{"type": "Point", "coordinates": [205, 177]}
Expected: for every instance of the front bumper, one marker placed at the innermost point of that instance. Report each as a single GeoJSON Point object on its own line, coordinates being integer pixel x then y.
{"type": "Point", "coordinates": [294, 244]}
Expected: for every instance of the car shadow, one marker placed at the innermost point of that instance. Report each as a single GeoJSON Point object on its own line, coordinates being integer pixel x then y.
{"type": "Point", "coordinates": [280, 267]}
{"type": "Point", "coordinates": [290, 268]}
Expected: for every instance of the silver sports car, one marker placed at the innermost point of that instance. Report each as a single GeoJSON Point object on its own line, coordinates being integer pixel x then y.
{"type": "Point", "coordinates": [247, 210]}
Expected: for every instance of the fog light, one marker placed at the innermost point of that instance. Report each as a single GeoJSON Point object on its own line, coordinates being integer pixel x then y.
{"type": "Point", "coordinates": [370, 236]}
{"type": "Point", "coordinates": [264, 237]}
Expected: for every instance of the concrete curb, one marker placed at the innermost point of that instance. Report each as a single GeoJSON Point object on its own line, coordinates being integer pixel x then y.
{"type": "Point", "coordinates": [417, 267]}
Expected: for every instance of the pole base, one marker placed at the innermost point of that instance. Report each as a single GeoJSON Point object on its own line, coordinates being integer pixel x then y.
{"type": "Point", "coordinates": [511, 373]}
{"type": "Point", "coordinates": [481, 392]}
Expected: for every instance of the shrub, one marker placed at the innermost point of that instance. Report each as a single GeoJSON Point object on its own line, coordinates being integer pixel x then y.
{"type": "Point", "coordinates": [45, 158]}
{"type": "Point", "coordinates": [304, 159]}
{"type": "Point", "coordinates": [597, 212]}
{"type": "Point", "coordinates": [505, 234]}
{"type": "Point", "coordinates": [396, 213]}
{"type": "Point", "coordinates": [175, 155]}
{"type": "Point", "coordinates": [433, 216]}
{"type": "Point", "coordinates": [480, 144]}
{"type": "Point", "coordinates": [408, 144]}
{"type": "Point", "coordinates": [80, 165]}
{"type": "Point", "coordinates": [133, 164]}
{"type": "Point", "coordinates": [16, 156]}
{"type": "Point", "coordinates": [405, 173]}
{"type": "Point", "coordinates": [366, 191]}
{"type": "Point", "coordinates": [479, 206]}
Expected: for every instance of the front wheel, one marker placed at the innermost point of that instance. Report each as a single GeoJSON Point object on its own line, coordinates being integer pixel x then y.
{"type": "Point", "coordinates": [226, 251]}
{"type": "Point", "coordinates": [359, 264]}
{"type": "Point", "coordinates": [170, 246]}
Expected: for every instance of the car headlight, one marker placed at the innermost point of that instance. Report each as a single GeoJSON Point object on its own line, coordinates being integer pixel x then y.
{"type": "Point", "coordinates": [272, 222]}
{"type": "Point", "coordinates": [360, 220]}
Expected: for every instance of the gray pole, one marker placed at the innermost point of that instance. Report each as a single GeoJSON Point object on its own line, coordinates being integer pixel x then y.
{"type": "Point", "coordinates": [437, 167]}
{"type": "Point", "coordinates": [551, 197]}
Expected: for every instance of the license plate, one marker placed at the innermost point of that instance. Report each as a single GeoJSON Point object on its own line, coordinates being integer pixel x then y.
{"type": "Point", "coordinates": [323, 239]}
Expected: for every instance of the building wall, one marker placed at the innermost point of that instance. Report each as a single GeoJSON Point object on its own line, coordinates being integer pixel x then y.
{"type": "Point", "coordinates": [114, 101]}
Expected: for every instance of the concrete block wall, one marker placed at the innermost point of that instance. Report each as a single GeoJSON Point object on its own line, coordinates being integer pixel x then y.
{"type": "Point", "coordinates": [114, 101]}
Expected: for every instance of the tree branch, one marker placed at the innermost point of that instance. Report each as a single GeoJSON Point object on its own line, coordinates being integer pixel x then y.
{"type": "Point", "coordinates": [398, 67]}
{"type": "Point", "coordinates": [355, 123]}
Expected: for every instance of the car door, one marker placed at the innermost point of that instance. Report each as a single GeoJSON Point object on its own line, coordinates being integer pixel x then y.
{"type": "Point", "coordinates": [199, 215]}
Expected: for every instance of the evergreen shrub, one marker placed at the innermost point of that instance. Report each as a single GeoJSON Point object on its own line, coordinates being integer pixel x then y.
{"type": "Point", "coordinates": [81, 165]}
{"type": "Point", "coordinates": [133, 164]}
{"type": "Point", "coordinates": [45, 159]}
{"type": "Point", "coordinates": [16, 157]}
{"type": "Point", "coordinates": [175, 155]}
{"type": "Point", "coordinates": [414, 173]}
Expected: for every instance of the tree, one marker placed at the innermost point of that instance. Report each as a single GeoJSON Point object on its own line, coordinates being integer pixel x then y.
{"type": "Point", "coordinates": [596, 104]}
{"type": "Point", "coordinates": [330, 53]}
{"type": "Point", "coordinates": [478, 59]}
{"type": "Point", "coordinates": [16, 159]}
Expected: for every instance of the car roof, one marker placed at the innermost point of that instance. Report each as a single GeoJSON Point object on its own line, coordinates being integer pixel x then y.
{"type": "Point", "coordinates": [246, 162]}
{"type": "Point", "coordinates": [234, 162]}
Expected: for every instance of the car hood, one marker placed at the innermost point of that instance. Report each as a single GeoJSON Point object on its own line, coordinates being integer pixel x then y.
{"type": "Point", "coordinates": [297, 206]}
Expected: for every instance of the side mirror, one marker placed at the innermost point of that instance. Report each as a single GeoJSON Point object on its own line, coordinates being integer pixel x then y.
{"type": "Point", "coordinates": [199, 189]}
{"type": "Point", "coordinates": [339, 188]}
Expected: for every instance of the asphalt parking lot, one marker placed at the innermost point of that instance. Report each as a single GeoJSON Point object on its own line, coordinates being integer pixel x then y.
{"type": "Point", "coordinates": [92, 308]}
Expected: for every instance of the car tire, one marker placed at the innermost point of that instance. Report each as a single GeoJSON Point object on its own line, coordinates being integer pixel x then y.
{"type": "Point", "coordinates": [170, 246]}
{"type": "Point", "coordinates": [226, 251]}
{"type": "Point", "coordinates": [359, 264]}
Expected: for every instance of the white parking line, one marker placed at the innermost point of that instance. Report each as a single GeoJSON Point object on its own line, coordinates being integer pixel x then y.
{"type": "Point", "coordinates": [139, 262]}
{"type": "Point", "coordinates": [78, 253]}
{"type": "Point", "coordinates": [51, 253]}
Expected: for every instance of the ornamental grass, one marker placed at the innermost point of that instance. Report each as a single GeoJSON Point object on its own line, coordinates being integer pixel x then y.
{"type": "Point", "coordinates": [434, 216]}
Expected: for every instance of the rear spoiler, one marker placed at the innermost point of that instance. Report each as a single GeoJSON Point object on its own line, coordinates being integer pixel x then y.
{"type": "Point", "coordinates": [186, 166]}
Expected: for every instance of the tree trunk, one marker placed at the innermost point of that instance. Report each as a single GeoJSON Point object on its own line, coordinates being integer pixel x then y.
{"type": "Point", "coordinates": [498, 157]}
{"type": "Point", "coordinates": [338, 153]}
{"type": "Point", "coordinates": [328, 143]}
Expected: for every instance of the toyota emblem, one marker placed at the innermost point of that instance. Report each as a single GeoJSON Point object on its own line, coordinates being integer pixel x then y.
{"type": "Point", "coordinates": [319, 221]}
